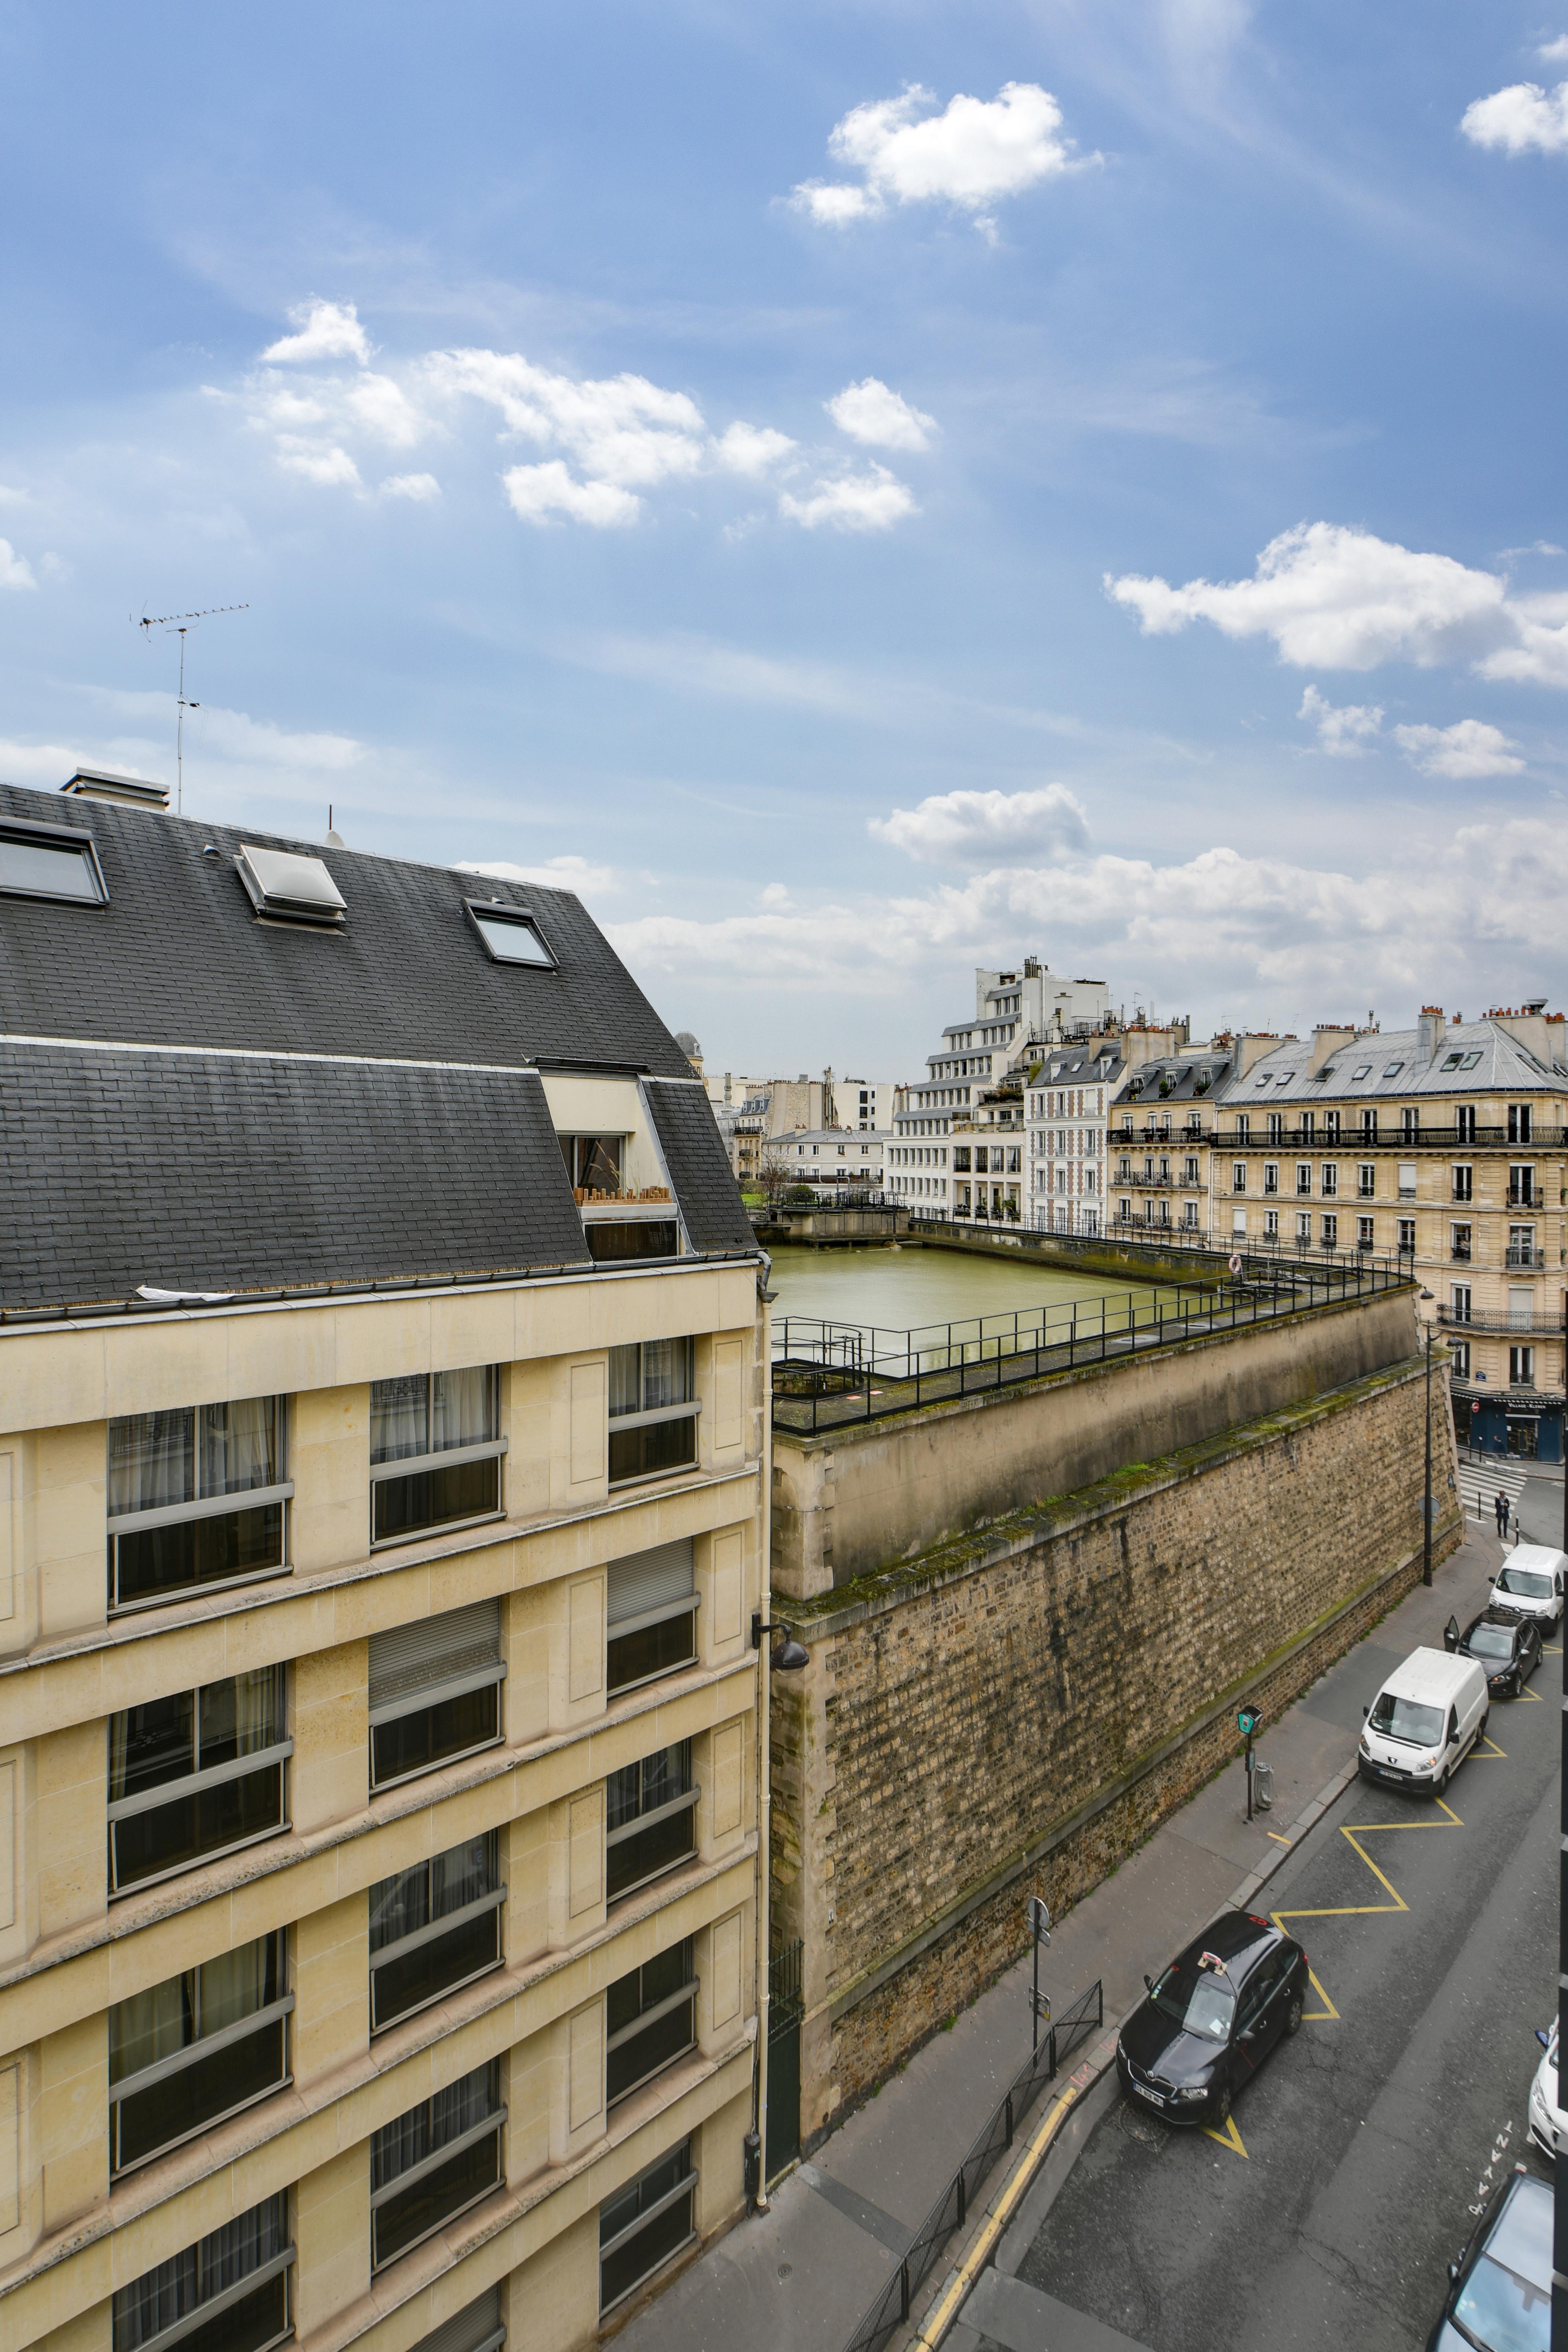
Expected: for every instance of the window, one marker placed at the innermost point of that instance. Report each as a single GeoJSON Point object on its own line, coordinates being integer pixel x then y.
{"type": "Point", "coordinates": [612, 1240]}
{"type": "Point", "coordinates": [1522, 1246]}
{"type": "Point", "coordinates": [1452, 1061]}
{"type": "Point", "coordinates": [1460, 1352]}
{"type": "Point", "coordinates": [290, 888]}
{"type": "Point", "coordinates": [1459, 1301]}
{"type": "Point", "coordinates": [511, 936]}
{"type": "Point", "coordinates": [1309, 1121]}
{"type": "Point", "coordinates": [650, 2221]}
{"type": "Point", "coordinates": [1238, 1221]}
{"type": "Point", "coordinates": [1463, 1180]}
{"type": "Point", "coordinates": [1367, 1179]}
{"type": "Point", "coordinates": [1304, 1228]}
{"type": "Point", "coordinates": [1521, 1188]}
{"type": "Point", "coordinates": [174, 1526]}
{"type": "Point", "coordinates": [1407, 1236]}
{"type": "Point", "coordinates": [653, 1408]}
{"type": "Point", "coordinates": [1331, 1232]}
{"type": "Point", "coordinates": [1330, 1180]}
{"type": "Point", "coordinates": [434, 1452]}
{"type": "Point", "coordinates": [478, 2328]}
{"type": "Point", "coordinates": [1331, 1126]}
{"type": "Point", "coordinates": [594, 1162]}
{"type": "Point", "coordinates": [650, 1822]}
{"type": "Point", "coordinates": [1521, 1305]}
{"type": "Point", "coordinates": [650, 2020]}
{"type": "Point", "coordinates": [1464, 1123]}
{"type": "Point", "coordinates": [1521, 1368]}
{"type": "Point", "coordinates": [1364, 1232]}
{"type": "Point", "coordinates": [652, 1612]}
{"type": "Point", "coordinates": [1303, 1176]}
{"type": "Point", "coordinates": [1407, 1179]}
{"type": "Point", "coordinates": [1519, 1122]}
{"type": "Point", "coordinates": [1272, 1223]}
{"type": "Point", "coordinates": [1239, 1175]}
{"type": "Point", "coordinates": [50, 861]}
{"type": "Point", "coordinates": [1243, 1126]}
{"type": "Point", "coordinates": [1191, 1172]}
{"type": "Point", "coordinates": [229, 2292]}
{"type": "Point", "coordinates": [1392, 1069]}
{"type": "Point", "coordinates": [1409, 1125]}
{"type": "Point", "coordinates": [1369, 1125]}
{"type": "Point", "coordinates": [195, 2049]}
{"type": "Point", "coordinates": [1276, 1127]}
{"type": "Point", "coordinates": [435, 1692]}
{"type": "Point", "coordinates": [433, 1927]}
{"type": "Point", "coordinates": [1365, 1072]}
{"type": "Point", "coordinates": [433, 2162]}
{"type": "Point", "coordinates": [1459, 1241]}
{"type": "Point", "coordinates": [195, 1775]}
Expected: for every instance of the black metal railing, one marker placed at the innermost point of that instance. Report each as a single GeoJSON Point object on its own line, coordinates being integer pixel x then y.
{"type": "Point", "coordinates": [890, 2311]}
{"type": "Point", "coordinates": [786, 1980]}
{"type": "Point", "coordinates": [1388, 1139]}
{"type": "Point", "coordinates": [826, 1373]}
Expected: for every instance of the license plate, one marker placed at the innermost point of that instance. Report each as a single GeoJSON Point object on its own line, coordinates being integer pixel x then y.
{"type": "Point", "coordinates": [1155, 2098]}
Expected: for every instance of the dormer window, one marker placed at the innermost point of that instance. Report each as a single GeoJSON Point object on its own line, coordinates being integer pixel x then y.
{"type": "Point", "coordinates": [50, 861]}
{"type": "Point", "coordinates": [287, 888]}
{"type": "Point", "coordinates": [510, 933]}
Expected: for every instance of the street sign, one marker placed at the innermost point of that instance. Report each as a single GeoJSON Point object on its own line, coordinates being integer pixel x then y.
{"type": "Point", "coordinates": [1247, 1719]}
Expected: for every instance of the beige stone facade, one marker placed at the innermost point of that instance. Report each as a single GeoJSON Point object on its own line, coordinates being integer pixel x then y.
{"type": "Point", "coordinates": [80, 1685]}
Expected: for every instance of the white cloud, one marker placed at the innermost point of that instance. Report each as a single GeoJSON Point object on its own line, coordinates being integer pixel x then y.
{"type": "Point", "coordinates": [870, 502]}
{"type": "Point", "coordinates": [556, 874]}
{"type": "Point", "coordinates": [1554, 52]}
{"type": "Point", "coordinates": [329, 466]}
{"type": "Point", "coordinates": [967, 828]}
{"type": "Point", "coordinates": [15, 571]}
{"type": "Point", "coordinates": [47, 763]}
{"type": "Point", "coordinates": [1336, 598]}
{"type": "Point", "coordinates": [752, 449]}
{"type": "Point", "coordinates": [970, 156]}
{"type": "Point", "coordinates": [1520, 118]}
{"type": "Point", "coordinates": [257, 742]}
{"type": "Point", "coordinates": [621, 430]}
{"type": "Point", "coordinates": [418, 486]}
{"type": "Point", "coordinates": [774, 897]}
{"type": "Point", "coordinates": [1470, 749]}
{"type": "Point", "coordinates": [380, 407]}
{"type": "Point", "coordinates": [1539, 654]}
{"type": "Point", "coordinates": [1342, 733]}
{"type": "Point", "coordinates": [539, 493]}
{"type": "Point", "coordinates": [325, 331]}
{"type": "Point", "coordinates": [868, 411]}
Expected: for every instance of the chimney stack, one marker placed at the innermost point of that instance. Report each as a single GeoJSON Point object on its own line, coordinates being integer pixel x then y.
{"type": "Point", "coordinates": [1429, 1032]}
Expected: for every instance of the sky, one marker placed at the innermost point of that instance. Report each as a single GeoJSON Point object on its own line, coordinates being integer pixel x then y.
{"type": "Point", "coordinates": [857, 490]}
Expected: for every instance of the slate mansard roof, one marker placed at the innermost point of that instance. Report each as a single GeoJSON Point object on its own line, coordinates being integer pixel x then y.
{"type": "Point", "coordinates": [197, 1100]}
{"type": "Point", "coordinates": [1390, 1063]}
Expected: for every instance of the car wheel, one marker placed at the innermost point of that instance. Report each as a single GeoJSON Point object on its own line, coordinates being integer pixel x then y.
{"type": "Point", "coordinates": [1222, 2105]}
{"type": "Point", "coordinates": [1293, 2015]}
{"type": "Point", "coordinates": [1440, 1785]}
{"type": "Point", "coordinates": [1517, 1681]}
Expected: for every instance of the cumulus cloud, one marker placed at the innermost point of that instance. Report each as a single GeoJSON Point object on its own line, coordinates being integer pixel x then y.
{"type": "Point", "coordinates": [1342, 733]}
{"type": "Point", "coordinates": [970, 156]}
{"type": "Point", "coordinates": [868, 411]}
{"type": "Point", "coordinates": [1554, 52]}
{"type": "Point", "coordinates": [556, 874]}
{"type": "Point", "coordinates": [331, 467]}
{"type": "Point", "coordinates": [48, 764]}
{"type": "Point", "coordinates": [968, 828]}
{"type": "Point", "coordinates": [15, 571]}
{"type": "Point", "coordinates": [541, 494]}
{"type": "Point", "coordinates": [324, 330]}
{"type": "Point", "coordinates": [1470, 749]}
{"type": "Point", "coordinates": [752, 449]}
{"type": "Point", "coordinates": [1337, 598]}
{"type": "Point", "coordinates": [1520, 118]}
{"type": "Point", "coordinates": [418, 486]}
{"type": "Point", "coordinates": [257, 742]}
{"type": "Point", "coordinates": [874, 501]}
{"type": "Point", "coordinates": [620, 429]}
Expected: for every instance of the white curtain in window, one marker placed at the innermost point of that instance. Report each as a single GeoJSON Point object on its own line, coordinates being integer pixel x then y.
{"type": "Point", "coordinates": [462, 1408]}
{"type": "Point", "coordinates": [258, 1710]}
{"type": "Point", "coordinates": [625, 1380]}
{"type": "Point", "coordinates": [400, 1417]}
{"type": "Point", "coordinates": [666, 1373]}
{"type": "Point", "coordinates": [460, 1875]}
{"type": "Point", "coordinates": [233, 1986]}
{"type": "Point", "coordinates": [151, 1461]}
{"type": "Point", "coordinates": [149, 2026]}
{"type": "Point", "coordinates": [240, 1445]}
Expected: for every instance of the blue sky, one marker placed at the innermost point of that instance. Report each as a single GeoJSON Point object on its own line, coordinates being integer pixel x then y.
{"type": "Point", "coordinates": [858, 490]}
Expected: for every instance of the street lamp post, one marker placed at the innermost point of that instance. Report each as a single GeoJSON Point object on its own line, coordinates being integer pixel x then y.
{"type": "Point", "coordinates": [1426, 1507]}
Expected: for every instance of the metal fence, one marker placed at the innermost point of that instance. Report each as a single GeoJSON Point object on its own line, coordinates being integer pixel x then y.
{"type": "Point", "coordinates": [826, 1373]}
{"type": "Point", "coordinates": [891, 2308]}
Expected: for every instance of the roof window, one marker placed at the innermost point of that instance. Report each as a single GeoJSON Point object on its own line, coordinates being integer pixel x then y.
{"type": "Point", "coordinates": [1394, 1069]}
{"type": "Point", "coordinates": [50, 861]}
{"type": "Point", "coordinates": [289, 887]}
{"type": "Point", "coordinates": [510, 933]}
{"type": "Point", "coordinates": [1452, 1061]}
{"type": "Point", "coordinates": [1469, 1061]}
{"type": "Point", "coordinates": [1365, 1072]}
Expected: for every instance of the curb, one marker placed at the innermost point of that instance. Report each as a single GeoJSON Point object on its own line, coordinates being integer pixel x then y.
{"type": "Point", "coordinates": [979, 2249]}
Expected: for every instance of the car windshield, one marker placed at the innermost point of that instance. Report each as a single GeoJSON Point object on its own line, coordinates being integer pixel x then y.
{"type": "Point", "coordinates": [1197, 1998]}
{"type": "Point", "coordinates": [1503, 2311]}
{"type": "Point", "coordinates": [1490, 1642]}
{"type": "Point", "coordinates": [1406, 1719]}
{"type": "Point", "coordinates": [1527, 1582]}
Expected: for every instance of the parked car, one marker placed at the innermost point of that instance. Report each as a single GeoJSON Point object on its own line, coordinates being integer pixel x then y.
{"type": "Point", "coordinates": [1530, 1582]}
{"type": "Point", "coordinates": [1499, 2290]}
{"type": "Point", "coordinates": [1547, 2124]}
{"type": "Point", "coordinates": [1507, 1645]}
{"type": "Point", "coordinates": [1424, 1722]}
{"type": "Point", "coordinates": [1211, 2018]}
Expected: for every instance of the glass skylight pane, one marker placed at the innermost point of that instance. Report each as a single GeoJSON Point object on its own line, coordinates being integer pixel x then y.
{"type": "Point", "coordinates": [50, 869]}
{"type": "Point", "coordinates": [511, 939]}
{"type": "Point", "coordinates": [282, 882]}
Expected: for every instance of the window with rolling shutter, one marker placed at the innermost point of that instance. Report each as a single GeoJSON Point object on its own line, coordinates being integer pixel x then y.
{"type": "Point", "coordinates": [477, 2328]}
{"type": "Point", "coordinates": [652, 1612]}
{"type": "Point", "coordinates": [435, 1691]}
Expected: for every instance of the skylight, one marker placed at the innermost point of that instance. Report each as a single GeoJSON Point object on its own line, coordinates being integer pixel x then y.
{"type": "Point", "coordinates": [510, 933]}
{"type": "Point", "coordinates": [1326, 1072]}
{"type": "Point", "coordinates": [1453, 1061]}
{"type": "Point", "coordinates": [1469, 1061]}
{"type": "Point", "coordinates": [46, 861]}
{"type": "Point", "coordinates": [290, 888]}
{"type": "Point", "coordinates": [1394, 1069]}
{"type": "Point", "coordinates": [1365, 1072]}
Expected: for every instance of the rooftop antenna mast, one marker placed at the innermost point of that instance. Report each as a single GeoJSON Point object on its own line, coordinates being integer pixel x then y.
{"type": "Point", "coordinates": [178, 623]}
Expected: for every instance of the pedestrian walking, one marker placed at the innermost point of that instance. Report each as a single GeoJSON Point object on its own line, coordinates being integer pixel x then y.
{"type": "Point", "coordinates": [1503, 1508]}
{"type": "Point", "coordinates": [1496, 1514]}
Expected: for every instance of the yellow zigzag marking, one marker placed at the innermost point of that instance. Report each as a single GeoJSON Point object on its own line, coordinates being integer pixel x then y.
{"type": "Point", "coordinates": [1230, 2138]}
{"type": "Point", "coordinates": [1353, 1831]}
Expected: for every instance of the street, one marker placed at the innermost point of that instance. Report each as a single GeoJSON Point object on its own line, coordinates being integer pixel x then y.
{"type": "Point", "coordinates": [1357, 2158]}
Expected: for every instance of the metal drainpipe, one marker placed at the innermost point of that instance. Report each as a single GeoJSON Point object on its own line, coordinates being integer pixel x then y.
{"type": "Point", "coordinates": [764, 1775]}
{"type": "Point", "coordinates": [1560, 2169]}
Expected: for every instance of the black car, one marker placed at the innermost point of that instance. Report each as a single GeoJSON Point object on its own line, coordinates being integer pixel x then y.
{"type": "Point", "coordinates": [1509, 1647]}
{"type": "Point", "coordinates": [1212, 2019]}
{"type": "Point", "coordinates": [1499, 2290]}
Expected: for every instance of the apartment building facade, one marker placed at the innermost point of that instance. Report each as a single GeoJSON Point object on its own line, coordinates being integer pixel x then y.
{"type": "Point", "coordinates": [1442, 1144]}
{"type": "Point", "coordinates": [832, 1159]}
{"type": "Point", "coordinates": [382, 1488]}
{"type": "Point", "coordinates": [1067, 1114]}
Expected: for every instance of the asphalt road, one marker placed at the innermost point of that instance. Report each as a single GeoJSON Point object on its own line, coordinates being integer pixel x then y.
{"type": "Point", "coordinates": [1367, 2138]}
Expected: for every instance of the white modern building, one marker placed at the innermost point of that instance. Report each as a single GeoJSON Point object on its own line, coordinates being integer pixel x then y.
{"type": "Point", "coordinates": [828, 1156]}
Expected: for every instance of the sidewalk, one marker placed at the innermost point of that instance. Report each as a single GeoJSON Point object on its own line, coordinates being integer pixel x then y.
{"type": "Point", "coordinates": [797, 2278]}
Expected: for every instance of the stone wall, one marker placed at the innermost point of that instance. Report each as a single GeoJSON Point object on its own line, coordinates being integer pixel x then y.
{"type": "Point", "coordinates": [1014, 1710]}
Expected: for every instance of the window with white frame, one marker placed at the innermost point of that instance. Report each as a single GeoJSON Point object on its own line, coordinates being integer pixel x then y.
{"type": "Point", "coordinates": [1521, 1368]}
{"type": "Point", "coordinates": [1330, 1178]}
{"type": "Point", "coordinates": [1459, 1349]}
{"type": "Point", "coordinates": [1364, 1232]}
{"type": "Point", "coordinates": [433, 1927]}
{"type": "Point", "coordinates": [435, 1692]}
{"type": "Point", "coordinates": [198, 2047]}
{"type": "Point", "coordinates": [653, 1408]}
{"type": "Point", "coordinates": [1239, 1175]}
{"type": "Point", "coordinates": [197, 1499]}
{"type": "Point", "coordinates": [194, 1775]}
{"type": "Point", "coordinates": [435, 1450]}
{"type": "Point", "coordinates": [229, 2292]}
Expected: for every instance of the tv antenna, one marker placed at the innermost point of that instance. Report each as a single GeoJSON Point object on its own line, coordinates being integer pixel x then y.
{"type": "Point", "coordinates": [178, 623]}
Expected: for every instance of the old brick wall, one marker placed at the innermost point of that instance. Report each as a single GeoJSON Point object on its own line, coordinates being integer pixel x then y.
{"type": "Point", "coordinates": [1015, 1711]}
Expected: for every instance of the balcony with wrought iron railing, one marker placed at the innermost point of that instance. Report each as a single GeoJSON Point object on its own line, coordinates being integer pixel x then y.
{"type": "Point", "coordinates": [1430, 1139]}
{"type": "Point", "coordinates": [1532, 1261]}
{"type": "Point", "coordinates": [1451, 1318]}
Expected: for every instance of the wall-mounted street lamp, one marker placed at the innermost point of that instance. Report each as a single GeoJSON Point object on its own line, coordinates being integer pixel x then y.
{"type": "Point", "coordinates": [790, 1655]}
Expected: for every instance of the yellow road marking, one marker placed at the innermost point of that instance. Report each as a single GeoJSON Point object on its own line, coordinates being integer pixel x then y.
{"type": "Point", "coordinates": [1276, 1838]}
{"type": "Point", "coordinates": [1533, 1696]}
{"type": "Point", "coordinates": [1230, 2138]}
{"type": "Point", "coordinates": [947, 2307]}
{"type": "Point", "coordinates": [1352, 1831]}
{"type": "Point", "coordinates": [1328, 2014]}
{"type": "Point", "coordinates": [1488, 1741]}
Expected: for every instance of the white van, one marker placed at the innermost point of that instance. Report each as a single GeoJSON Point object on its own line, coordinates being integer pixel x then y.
{"type": "Point", "coordinates": [1530, 1582]}
{"type": "Point", "coordinates": [1424, 1722]}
